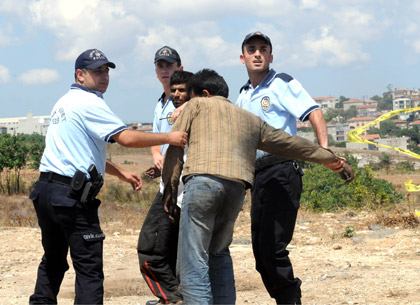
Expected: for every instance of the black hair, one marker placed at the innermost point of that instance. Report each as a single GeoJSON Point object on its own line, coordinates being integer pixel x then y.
{"type": "Point", "coordinates": [180, 77]}
{"type": "Point", "coordinates": [209, 80]}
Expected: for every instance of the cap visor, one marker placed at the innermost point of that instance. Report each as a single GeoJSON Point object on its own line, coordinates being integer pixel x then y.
{"type": "Point", "coordinates": [165, 58]}
{"type": "Point", "coordinates": [99, 63]}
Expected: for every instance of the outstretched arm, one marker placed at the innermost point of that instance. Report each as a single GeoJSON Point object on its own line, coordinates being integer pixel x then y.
{"type": "Point", "coordinates": [137, 139]}
{"type": "Point", "coordinates": [130, 177]}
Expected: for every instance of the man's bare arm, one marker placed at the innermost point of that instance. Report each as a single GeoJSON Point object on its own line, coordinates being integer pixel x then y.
{"type": "Point", "coordinates": [320, 127]}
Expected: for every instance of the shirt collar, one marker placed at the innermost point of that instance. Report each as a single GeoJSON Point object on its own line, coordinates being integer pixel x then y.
{"type": "Point", "coordinates": [264, 83]}
{"type": "Point", "coordinates": [161, 100]}
{"type": "Point", "coordinates": [78, 86]}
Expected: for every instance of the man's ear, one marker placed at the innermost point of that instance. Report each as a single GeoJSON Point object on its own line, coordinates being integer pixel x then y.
{"type": "Point", "coordinates": [206, 93]}
{"type": "Point", "coordinates": [80, 76]}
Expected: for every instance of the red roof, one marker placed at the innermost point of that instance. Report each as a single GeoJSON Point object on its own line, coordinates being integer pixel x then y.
{"type": "Point", "coordinates": [370, 136]}
{"type": "Point", "coordinates": [353, 100]}
{"type": "Point", "coordinates": [324, 98]}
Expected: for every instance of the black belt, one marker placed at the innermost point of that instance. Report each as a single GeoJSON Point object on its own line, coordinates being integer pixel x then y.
{"type": "Point", "coordinates": [50, 176]}
{"type": "Point", "coordinates": [268, 161]}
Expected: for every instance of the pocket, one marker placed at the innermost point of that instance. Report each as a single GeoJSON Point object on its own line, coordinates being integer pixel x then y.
{"type": "Point", "coordinates": [59, 197]}
{"type": "Point", "coordinates": [34, 194]}
{"type": "Point", "coordinates": [38, 187]}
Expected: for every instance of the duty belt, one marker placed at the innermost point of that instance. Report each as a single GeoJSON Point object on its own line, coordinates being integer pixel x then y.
{"type": "Point", "coordinates": [268, 161]}
{"type": "Point", "coordinates": [50, 176]}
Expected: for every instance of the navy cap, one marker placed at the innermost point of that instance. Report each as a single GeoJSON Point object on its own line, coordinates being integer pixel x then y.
{"type": "Point", "coordinates": [167, 54]}
{"type": "Point", "coordinates": [257, 34]}
{"type": "Point", "coordinates": [92, 59]}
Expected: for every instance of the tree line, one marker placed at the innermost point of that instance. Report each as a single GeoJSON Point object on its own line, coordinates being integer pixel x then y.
{"type": "Point", "coordinates": [16, 153]}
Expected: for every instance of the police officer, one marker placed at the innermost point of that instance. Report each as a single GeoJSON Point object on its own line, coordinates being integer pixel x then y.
{"type": "Point", "coordinates": [278, 99]}
{"type": "Point", "coordinates": [72, 166]}
{"type": "Point", "coordinates": [158, 238]}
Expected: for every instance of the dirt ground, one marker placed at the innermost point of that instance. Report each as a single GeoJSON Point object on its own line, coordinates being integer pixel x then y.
{"type": "Point", "coordinates": [379, 265]}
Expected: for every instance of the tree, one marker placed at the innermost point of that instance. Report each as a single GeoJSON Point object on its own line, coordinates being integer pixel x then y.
{"type": "Point", "coordinates": [388, 128]}
{"type": "Point", "coordinates": [341, 99]}
{"type": "Point", "coordinates": [14, 153]}
{"type": "Point", "coordinates": [350, 113]}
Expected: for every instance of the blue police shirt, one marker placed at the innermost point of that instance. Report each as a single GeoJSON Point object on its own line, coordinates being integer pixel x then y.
{"type": "Point", "coordinates": [279, 100]}
{"type": "Point", "coordinates": [162, 120]}
{"type": "Point", "coordinates": [81, 126]}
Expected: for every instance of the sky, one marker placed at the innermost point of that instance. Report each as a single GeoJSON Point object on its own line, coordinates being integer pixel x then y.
{"type": "Point", "coordinates": [351, 48]}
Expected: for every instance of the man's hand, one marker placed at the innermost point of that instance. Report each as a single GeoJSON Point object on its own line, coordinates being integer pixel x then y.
{"type": "Point", "coordinates": [158, 161]}
{"type": "Point", "coordinates": [178, 138]}
{"type": "Point", "coordinates": [344, 169]}
{"type": "Point", "coordinates": [133, 179]}
{"type": "Point", "coordinates": [153, 172]}
{"type": "Point", "coordinates": [177, 111]}
{"type": "Point", "coordinates": [169, 204]}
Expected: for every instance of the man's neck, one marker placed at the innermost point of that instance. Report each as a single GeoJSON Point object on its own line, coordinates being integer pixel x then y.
{"type": "Point", "coordinates": [256, 77]}
{"type": "Point", "coordinates": [167, 90]}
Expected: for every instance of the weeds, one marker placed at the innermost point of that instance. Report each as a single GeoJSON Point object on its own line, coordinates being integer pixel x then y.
{"type": "Point", "coordinates": [349, 232]}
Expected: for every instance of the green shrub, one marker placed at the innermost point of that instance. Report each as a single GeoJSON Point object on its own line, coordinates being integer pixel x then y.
{"type": "Point", "coordinates": [323, 190]}
{"type": "Point", "coordinates": [349, 232]}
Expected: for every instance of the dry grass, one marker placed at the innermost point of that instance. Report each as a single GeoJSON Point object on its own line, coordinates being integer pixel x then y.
{"type": "Point", "coordinates": [124, 209]}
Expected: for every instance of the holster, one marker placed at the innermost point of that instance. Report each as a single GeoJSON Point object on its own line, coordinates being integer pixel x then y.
{"type": "Point", "coordinates": [85, 190]}
{"type": "Point", "coordinates": [77, 185]}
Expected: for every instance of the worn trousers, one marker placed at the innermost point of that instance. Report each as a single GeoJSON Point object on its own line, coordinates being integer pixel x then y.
{"type": "Point", "coordinates": [157, 252]}
{"type": "Point", "coordinates": [66, 223]}
{"type": "Point", "coordinates": [209, 210]}
{"type": "Point", "coordinates": [275, 203]}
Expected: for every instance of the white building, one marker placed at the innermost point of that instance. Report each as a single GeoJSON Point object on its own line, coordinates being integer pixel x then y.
{"type": "Point", "coordinates": [25, 125]}
{"type": "Point", "coordinates": [402, 103]}
{"type": "Point", "coordinates": [328, 102]}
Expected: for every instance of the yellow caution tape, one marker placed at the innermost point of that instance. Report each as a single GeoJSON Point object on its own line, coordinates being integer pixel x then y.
{"type": "Point", "coordinates": [410, 187]}
{"type": "Point", "coordinates": [353, 136]}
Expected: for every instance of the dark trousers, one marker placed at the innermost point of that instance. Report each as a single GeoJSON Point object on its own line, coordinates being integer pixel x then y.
{"type": "Point", "coordinates": [157, 251]}
{"type": "Point", "coordinates": [65, 223]}
{"type": "Point", "coordinates": [275, 203]}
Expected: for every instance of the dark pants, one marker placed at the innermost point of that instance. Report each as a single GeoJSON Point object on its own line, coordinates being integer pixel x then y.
{"type": "Point", "coordinates": [275, 203]}
{"type": "Point", "coordinates": [157, 251]}
{"type": "Point", "coordinates": [65, 223]}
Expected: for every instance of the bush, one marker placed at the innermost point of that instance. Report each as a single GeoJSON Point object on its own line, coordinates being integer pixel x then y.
{"type": "Point", "coordinates": [324, 191]}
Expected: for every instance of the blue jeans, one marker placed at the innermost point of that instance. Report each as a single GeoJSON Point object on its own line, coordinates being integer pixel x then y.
{"type": "Point", "coordinates": [209, 210]}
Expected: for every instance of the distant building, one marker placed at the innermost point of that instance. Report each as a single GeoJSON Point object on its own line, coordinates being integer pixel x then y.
{"type": "Point", "coordinates": [328, 102]}
{"type": "Point", "coordinates": [415, 123]}
{"type": "Point", "coordinates": [402, 103]}
{"type": "Point", "coordinates": [367, 110]}
{"type": "Point", "coordinates": [352, 102]}
{"type": "Point", "coordinates": [401, 123]}
{"type": "Point", "coordinates": [26, 125]}
{"type": "Point", "coordinates": [338, 131]}
{"type": "Point", "coordinates": [400, 142]}
{"type": "Point", "coordinates": [145, 127]}
{"type": "Point", "coordinates": [308, 135]}
{"type": "Point", "coordinates": [360, 122]}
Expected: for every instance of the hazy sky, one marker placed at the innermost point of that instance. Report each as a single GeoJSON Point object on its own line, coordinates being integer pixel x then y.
{"type": "Point", "coordinates": [353, 48]}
